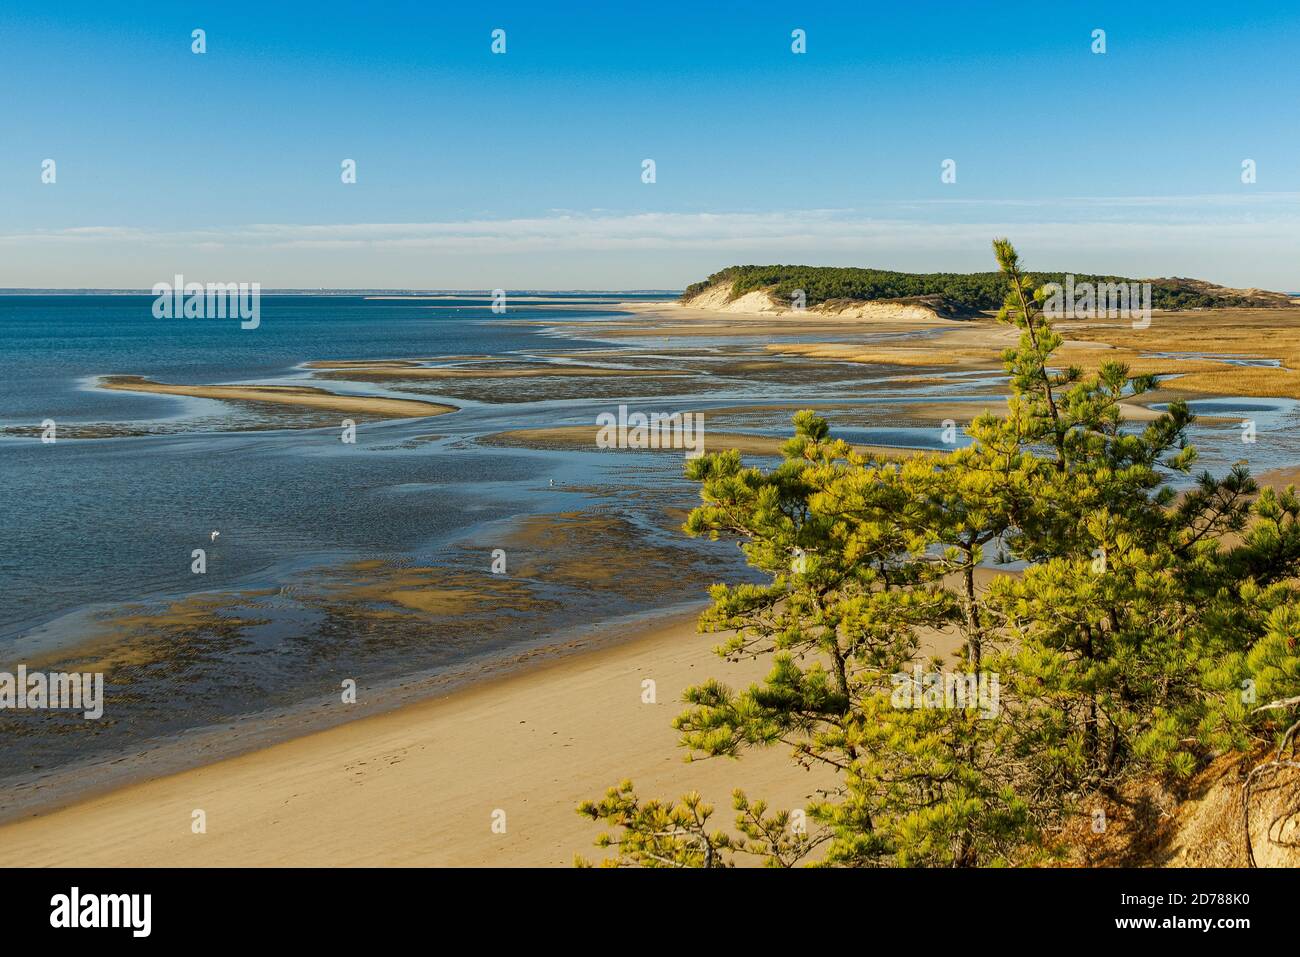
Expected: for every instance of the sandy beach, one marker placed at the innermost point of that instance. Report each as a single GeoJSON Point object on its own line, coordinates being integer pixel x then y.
{"type": "Point", "coordinates": [419, 785]}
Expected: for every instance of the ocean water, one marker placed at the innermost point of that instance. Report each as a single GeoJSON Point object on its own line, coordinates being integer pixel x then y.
{"type": "Point", "coordinates": [97, 534]}
{"type": "Point", "coordinates": [51, 345]}
{"type": "Point", "coordinates": [89, 523]}
{"type": "Point", "coordinates": [95, 521]}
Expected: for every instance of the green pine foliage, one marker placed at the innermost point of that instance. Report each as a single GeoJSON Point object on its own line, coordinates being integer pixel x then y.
{"type": "Point", "coordinates": [1148, 631]}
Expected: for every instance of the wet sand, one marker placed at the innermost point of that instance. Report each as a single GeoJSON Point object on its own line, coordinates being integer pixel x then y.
{"type": "Point", "coordinates": [420, 786]}
{"type": "Point", "coordinates": [301, 396]}
{"type": "Point", "coordinates": [584, 437]}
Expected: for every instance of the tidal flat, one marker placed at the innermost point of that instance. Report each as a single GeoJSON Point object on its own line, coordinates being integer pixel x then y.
{"type": "Point", "coordinates": [372, 560]}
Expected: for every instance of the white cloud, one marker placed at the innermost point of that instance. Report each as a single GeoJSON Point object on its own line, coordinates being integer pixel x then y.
{"type": "Point", "coordinates": [1247, 238]}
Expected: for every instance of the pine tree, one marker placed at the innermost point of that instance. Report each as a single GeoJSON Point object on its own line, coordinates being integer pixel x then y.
{"type": "Point", "coordinates": [1133, 642]}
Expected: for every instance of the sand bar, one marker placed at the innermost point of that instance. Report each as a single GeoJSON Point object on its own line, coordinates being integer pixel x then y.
{"type": "Point", "coordinates": [584, 437]}
{"type": "Point", "coordinates": [557, 370]}
{"type": "Point", "coordinates": [301, 396]}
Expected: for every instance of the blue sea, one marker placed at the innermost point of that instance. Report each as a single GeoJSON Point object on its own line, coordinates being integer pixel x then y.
{"type": "Point", "coordinates": [90, 522]}
{"type": "Point", "coordinates": [99, 532]}
{"type": "Point", "coordinates": [109, 520]}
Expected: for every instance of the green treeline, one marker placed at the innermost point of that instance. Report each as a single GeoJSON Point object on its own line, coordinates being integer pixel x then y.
{"type": "Point", "coordinates": [975, 291]}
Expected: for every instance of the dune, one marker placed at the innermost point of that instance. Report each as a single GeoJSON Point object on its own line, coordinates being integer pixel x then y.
{"type": "Point", "coordinates": [759, 302]}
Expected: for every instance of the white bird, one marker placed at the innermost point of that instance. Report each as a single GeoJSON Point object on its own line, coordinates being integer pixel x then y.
{"type": "Point", "coordinates": [214, 535]}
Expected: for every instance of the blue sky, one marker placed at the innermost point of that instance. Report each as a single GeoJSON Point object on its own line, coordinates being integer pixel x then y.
{"type": "Point", "coordinates": [523, 170]}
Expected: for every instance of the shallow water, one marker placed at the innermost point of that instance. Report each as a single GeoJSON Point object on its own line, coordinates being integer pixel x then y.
{"type": "Point", "coordinates": [98, 529]}
{"type": "Point", "coordinates": [1226, 358]}
{"type": "Point", "coordinates": [1263, 432]}
{"type": "Point", "coordinates": [91, 521]}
